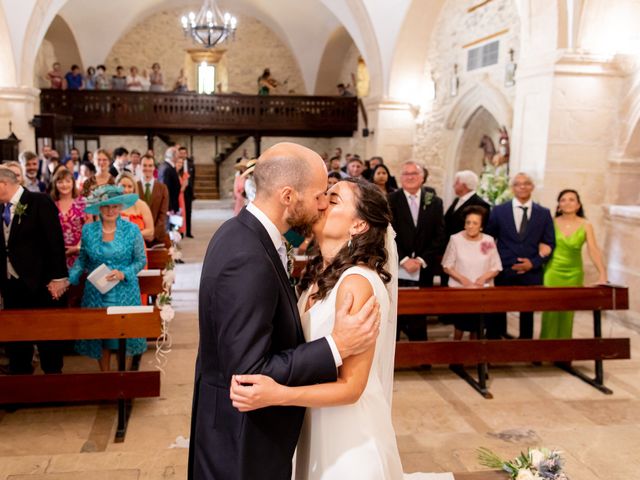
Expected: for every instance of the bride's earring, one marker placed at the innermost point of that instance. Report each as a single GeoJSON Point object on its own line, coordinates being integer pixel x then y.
{"type": "Point", "coordinates": [350, 243]}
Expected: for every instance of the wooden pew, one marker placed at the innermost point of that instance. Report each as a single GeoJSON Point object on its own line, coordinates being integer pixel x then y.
{"type": "Point", "coordinates": [437, 301]}
{"type": "Point", "coordinates": [157, 258]}
{"type": "Point", "coordinates": [76, 324]}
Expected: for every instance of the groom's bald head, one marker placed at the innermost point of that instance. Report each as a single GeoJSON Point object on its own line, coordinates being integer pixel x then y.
{"type": "Point", "coordinates": [287, 164]}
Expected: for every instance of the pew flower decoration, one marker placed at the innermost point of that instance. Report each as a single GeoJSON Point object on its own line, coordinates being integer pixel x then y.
{"type": "Point", "coordinates": [167, 313]}
{"type": "Point", "coordinates": [534, 464]}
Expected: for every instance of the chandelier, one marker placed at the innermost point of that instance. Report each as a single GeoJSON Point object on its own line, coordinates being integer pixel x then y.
{"type": "Point", "coordinates": [209, 26]}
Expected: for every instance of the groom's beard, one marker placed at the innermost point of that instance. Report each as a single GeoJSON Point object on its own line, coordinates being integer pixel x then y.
{"type": "Point", "coordinates": [300, 221]}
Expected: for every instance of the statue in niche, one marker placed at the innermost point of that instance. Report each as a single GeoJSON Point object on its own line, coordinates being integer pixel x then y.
{"type": "Point", "coordinates": [454, 82]}
{"type": "Point", "coordinates": [486, 144]}
{"type": "Point", "coordinates": [502, 156]}
{"type": "Point", "coordinates": [510, 71]}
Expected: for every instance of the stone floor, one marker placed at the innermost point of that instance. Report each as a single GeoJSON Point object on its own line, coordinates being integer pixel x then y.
{"type": "Point", "coordinates": [439, 419]}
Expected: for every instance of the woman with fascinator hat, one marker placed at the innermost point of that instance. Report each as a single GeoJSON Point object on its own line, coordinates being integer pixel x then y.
{"type": "Point", "coordinates": [119, 245]}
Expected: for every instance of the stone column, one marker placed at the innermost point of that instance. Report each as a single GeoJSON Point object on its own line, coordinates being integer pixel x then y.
{"type": "Point", "coordinates": [18, 105]}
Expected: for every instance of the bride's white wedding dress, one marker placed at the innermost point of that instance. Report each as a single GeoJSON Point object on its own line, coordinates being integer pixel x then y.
{"type": "Point", "coordinates": [358, 440]}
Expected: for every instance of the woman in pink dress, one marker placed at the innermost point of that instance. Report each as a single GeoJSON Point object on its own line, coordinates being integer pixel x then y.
{"type": "Point", "coordinates": [184, 183]}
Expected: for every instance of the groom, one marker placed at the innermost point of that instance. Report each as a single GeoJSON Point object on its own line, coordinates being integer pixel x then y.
{"type": "Point", "coordinates": [249, 323]}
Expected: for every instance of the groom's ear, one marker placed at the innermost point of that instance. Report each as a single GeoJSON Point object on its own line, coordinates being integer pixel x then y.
{"type": "Point", "coordinates": [287, 196]}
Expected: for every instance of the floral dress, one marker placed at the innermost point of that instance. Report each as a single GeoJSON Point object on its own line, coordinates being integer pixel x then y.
{"type": "Point", "coordinates": [72, 222]}
{"type": "Point", "coordinates": [125, 253]}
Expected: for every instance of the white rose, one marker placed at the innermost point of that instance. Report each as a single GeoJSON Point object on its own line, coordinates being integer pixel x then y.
{"type": "Point", "coordinates": [526, 474]}
{"type": "Point", "coordinates": [168, 277]}
{"type": "Point", "coordinates": [167, 313]}
{"type": "Point", "coordinates": [537, 457]}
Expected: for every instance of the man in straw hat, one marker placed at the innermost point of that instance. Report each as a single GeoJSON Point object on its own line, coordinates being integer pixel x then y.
{"type": "Point", "coordinates": [249, 323]}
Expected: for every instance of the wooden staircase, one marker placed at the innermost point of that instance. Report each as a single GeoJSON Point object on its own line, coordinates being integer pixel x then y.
{"type": "Point", "coordinates": [206, 186]}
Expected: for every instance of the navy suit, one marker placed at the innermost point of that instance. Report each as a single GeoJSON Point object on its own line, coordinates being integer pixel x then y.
{"type": "Point", "coordinates": [249, 323]}
{"type": "Point", "coordinates": [511, 246]}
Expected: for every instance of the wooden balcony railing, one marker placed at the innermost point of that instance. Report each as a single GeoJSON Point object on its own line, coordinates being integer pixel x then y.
{"type": "Point", "coordinates": [140, 112]}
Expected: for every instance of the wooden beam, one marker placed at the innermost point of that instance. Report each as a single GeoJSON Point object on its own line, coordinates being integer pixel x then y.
{"type": "Point", "coordinates": [478, 5]}
{"type": "Point", "coordinates": [413, 354]}
{"type": "Point", "coordinates": [487, 38]}
{"type": "Point", "coordinates": [78, 387]}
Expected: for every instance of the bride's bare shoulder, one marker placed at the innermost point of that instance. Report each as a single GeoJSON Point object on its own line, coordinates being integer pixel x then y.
{"type": "Point", "coordinates": [358, 286]}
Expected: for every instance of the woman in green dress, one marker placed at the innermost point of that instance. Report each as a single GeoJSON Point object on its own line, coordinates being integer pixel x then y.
{"type": "Point", "coordinates": [565, 267]}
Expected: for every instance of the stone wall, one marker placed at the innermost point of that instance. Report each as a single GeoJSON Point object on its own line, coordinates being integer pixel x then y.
{"type": "Point", "coordinates": [159, 38]}
{"type": "Point", "coordinates": [456, 27]}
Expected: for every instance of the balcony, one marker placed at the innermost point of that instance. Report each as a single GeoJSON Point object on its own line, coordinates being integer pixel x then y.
{"type": "Point", "coordinates": [122, 112]}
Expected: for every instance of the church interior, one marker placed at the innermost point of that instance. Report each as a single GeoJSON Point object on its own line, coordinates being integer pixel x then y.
{"type": "Point", "coordinates": [546, 87]}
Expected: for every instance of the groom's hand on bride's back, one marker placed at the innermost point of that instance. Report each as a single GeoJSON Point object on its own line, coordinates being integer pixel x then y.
{"type": "Point", "coordinates": [355, 333]}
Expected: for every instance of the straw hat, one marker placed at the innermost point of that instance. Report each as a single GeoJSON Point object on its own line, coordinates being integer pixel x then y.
{"type": "Point", "coordinates": [242, 164]}
{"type": "Point", "coordinates": [251, 166]}
{"type": "Point", "coordinates": [109, 195]}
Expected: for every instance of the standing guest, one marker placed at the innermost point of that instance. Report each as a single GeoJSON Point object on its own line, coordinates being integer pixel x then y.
{"type": "Point", "coordinates": [334, 166]}
{"type": "Point", "coordinates": [16, 168]}
{"type": "Point", "coordinates": [134, 81]}
{"type": "Point", "coordinates": [87, 171]}
{"type": "Point", "coordinates": [333, 178]}
{"type": "Point", "coordinates": [51, 166]}
{"type": "Point", "coordinates": [30, 163]}
{"type": "Point", "coordinates": [266, 83]}
{"type": "Point", "coordinates": [168, 175]}
{"type": "Point", "coordinates": [183, 175]}
{"type": "Point", "coordinates": [33, 272]}
{"type": "Point", "coordinates": [73, 78]}
{"type": "Point", "coordinates": [381, 178]}
{"type": "Point", "coordinates": [355, 167]}
{"type": "Point", "coordinates": [464, 186]}
{"type": "Point", "coordinates": [87, 157]}
{"type": "Point", "coordinates": [418, 221]}
{"type": "Point", "coordinates": [565, 266]}
{"type": "Point", "coordinates": [56, 78]}
{"type": "Point", "coordinates": [135, 166]}
{"type": "Point", "coordinates": [102, 81]}
{"type": "Point", "coordinates": [120, 161]}
{"type": "Point", "coordinates": [119, 80]}
{"type": "Point", "coordinates": [373, 163]}
{"type": "Point", "coordinates": [181, 84]}
{"type": "Point", "coordinates": [190, 168]}
{"type": "Point", "coordinates": [90, 79]}
{"type": "Point", "coordinates": [71, 212]}
{"type": "Point", "coordinates": [138, 213]}
{"type": "Point", "coordinates": [119, 245]}
{"type": "Point", "coordinates": [155, 79]}
{"type": "Point", "coordinates": [156, 196]}
{"type": "Point", "coordinates": [43, 164]}
{"type": "Point", "coordinates": [238, 185]}
{"type": "Point", "coordinates": [471, 260]}
{"type": "Point", "coordinates": [520, 226]}
{"type": "Point", "coordinates": [73, 162]}
{"type": "Point", "coordinates": [102, 177]}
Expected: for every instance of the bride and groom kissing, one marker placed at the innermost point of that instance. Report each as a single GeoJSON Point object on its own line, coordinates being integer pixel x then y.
{"type": "Point", "coordinates": [276, 374]}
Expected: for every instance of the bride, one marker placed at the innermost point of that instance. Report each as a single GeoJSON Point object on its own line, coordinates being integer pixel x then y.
{"type": "Point", "coordinates": [347, 432]}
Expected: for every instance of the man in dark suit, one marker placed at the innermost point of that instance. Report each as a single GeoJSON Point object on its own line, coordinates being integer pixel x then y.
{"type": "Point", "coordinates": [249, 323]}
{"type": "Point", "coordinates": [168, 175]}
{"type": "Point", "coordinates": [156, 195]}
{"type": "Point", "coordinates": [120, 162]}
{"type": "Point", "coordinates": [190, 167]}
{"type": "Point", "coordinates": [464, 186]}
{"type": "Point", "coordinates": [33, 269]}
{"type": "Point", "coordinates": [520, 227]}
{"type": "Point", "coordinates": [418, 221]}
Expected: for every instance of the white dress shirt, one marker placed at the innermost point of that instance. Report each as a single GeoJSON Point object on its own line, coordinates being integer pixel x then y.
{"type": "Point", "coordinates": [11, 272]}
{"type": "Point", "coordinates": [403, 260]}
{"type": "Point", "coordinates": [278, 242]}
{"type": "Point", "coordinates": [518, 212]}
{"type": "Point", "coordinates": [463, 199]}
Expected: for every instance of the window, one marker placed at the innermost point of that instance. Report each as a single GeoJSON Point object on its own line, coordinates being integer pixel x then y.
{"type": "Point", "coordinates": [206, 78]}
{"type": "Point", "coordinates": [483, 56]}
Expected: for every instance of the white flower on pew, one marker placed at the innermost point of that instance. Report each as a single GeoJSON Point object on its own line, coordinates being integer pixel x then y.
{"type": "Point", "coordinates": [167, 313]}
{"type": "Point", "coordinates": [168, 278]}
{"type": "Point", "coordinates": [175, 236]}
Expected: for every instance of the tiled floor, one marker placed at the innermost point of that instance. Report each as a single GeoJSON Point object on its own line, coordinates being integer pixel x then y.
{"type": "Point", "coordinates": [439, 419]}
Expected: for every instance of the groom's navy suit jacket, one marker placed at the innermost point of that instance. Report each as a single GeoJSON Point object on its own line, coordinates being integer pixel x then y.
{"type": "Point", "coordinates": [511, 245]}
{"type": "Point", "coordinates": [249, 323]}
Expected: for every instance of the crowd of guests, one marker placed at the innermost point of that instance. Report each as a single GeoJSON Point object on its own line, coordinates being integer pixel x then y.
{"type": "Point", "coordinates": [63, 219]}
{"type": "Point", "coordinates": [98, 79]}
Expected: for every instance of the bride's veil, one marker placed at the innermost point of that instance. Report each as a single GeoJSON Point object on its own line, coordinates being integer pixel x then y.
{"type": "Point", "coordinates": [388, 344]}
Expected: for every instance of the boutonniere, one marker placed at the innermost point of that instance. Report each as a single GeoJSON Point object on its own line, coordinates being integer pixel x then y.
{"type": "Point", "coordinates": [290, 258]}
{"type": "Point", "coordinates": [426, 201]}
{"type": "Point", "coordinates": [21, 209]}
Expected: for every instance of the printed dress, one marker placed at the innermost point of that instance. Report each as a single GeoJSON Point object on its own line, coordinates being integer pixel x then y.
{"type": "Point", "coordinates": [72, 222]}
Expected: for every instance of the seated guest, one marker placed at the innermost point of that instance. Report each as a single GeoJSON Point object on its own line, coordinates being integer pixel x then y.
{"type": "Point", "coordinates": [464, 186]}
{"type": "Point", "coordinates": [119, 245]}
{"type": "Point", "coordinates": [156, 196]}
{"type": "Point", "coordinates": [471, 260]}
{"type": "Point", "coordinates": [333, 178]}
{"type": "Point", "coordinates": [519, 226]}
{"type": "Point", "coordinates": [138, 213]}
{"type": "Point", "coordinates": [565, 266]}
{"type": "Point", "coordinates": [31, 164]}
{"type": "Point", "coordinates": [74, 78]}
{"type": "Point", "coordinates": [102, 177]}
{"type": "Point", "coordinates": [71, 212]}
{"type": "Point", "coordinates": [381, 178]}
{"type": "Point", "coordinates": [33, 272]}
{"type": "Point", "coordinates": [355, 167]}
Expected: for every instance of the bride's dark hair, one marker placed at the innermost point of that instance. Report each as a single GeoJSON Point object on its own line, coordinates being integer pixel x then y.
{"type": "Point", "coordinates": [366, 249]}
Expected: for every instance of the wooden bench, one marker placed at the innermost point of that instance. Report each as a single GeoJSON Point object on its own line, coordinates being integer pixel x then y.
{"type": "Point", "coordinates": [439, 301]}
{"type": "Point", "coordinates": [157, 258]}
{"type": "Point", "coordinates": [76, 324]}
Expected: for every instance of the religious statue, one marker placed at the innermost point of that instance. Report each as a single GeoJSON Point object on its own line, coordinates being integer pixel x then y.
{"type": "Point", "coordinates": [502, 156]}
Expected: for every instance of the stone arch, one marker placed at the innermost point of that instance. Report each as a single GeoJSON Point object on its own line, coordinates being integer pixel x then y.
{"type": "Point", "coordinates": [8, 70]}
{"type": "Point", "coordinates": [481, 94]}
{"type": "Point", "coordinates": [333, 59]}
{"type": "Point", "coordinates": [469, 154]}
{"type": "Point", "coordinates": [629, 139]}
{"type": "Point", "coordinates": [59, 44]}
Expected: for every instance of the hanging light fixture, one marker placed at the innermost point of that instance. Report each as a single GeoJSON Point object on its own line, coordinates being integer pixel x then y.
{"type": "Point", "coordinates": [209, 26]}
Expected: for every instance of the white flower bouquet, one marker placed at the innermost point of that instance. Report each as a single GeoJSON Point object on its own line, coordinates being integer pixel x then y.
{"type": "Point", "coordinates": [535, 464]}
{"type": "Point", "coordinates": [494, 185]}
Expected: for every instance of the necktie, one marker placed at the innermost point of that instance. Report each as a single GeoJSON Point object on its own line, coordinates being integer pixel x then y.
{"type": "Point", "coordinates": [282, 252]}
{"type": "Point", "coordinates": [413, 206]}
{"type": "Point", "coordinates": [147, 193]}
{"type": "Point", "coordinates": [524, 222]}
{"type": "Point", "coordinates": [6, 214]}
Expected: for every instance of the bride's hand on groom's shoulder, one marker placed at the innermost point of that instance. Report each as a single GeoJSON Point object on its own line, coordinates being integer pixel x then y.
{"type": "Point", "coordinates": [356, 333]}
{"type": "Point", "coordinates": [251, 392]}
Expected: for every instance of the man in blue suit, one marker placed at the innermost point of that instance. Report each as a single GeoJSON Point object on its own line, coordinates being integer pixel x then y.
{"type": "Point", "coordinates": [520, 227]}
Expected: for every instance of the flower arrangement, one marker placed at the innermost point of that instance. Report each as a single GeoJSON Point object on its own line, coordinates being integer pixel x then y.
{"type": "Point", "coordinates": [163, 302]}
{"type": "Point", "coordinates": [535, 464]}
{"type": "Point", "coordinates": [494, 185]}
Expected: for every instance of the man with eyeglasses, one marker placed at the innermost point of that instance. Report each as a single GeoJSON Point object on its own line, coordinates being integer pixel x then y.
{"type": "Point", "coordinates": [418, 219]}
{"type": "Point", "coordinates": [521, 228]}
